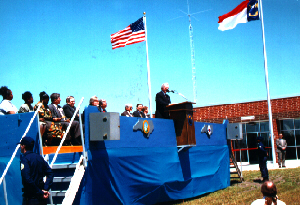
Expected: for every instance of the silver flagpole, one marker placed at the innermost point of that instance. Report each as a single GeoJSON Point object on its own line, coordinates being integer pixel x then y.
{"type": "Point", "coordinates": [267, 84]}
{"type": "Point", "coordinates": [148, 67]}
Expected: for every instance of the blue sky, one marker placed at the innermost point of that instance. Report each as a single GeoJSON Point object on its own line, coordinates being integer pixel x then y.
{"type": "Point", "coordinates": [64, 46]}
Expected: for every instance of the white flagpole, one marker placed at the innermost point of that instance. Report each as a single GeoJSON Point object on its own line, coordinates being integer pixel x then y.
{"type": "Point", "coordinates": [267, 84]}
{"type": "Point", "coordinates": [148, 67]}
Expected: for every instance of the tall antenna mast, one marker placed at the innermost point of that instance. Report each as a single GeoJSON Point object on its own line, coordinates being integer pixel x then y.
{"type": "Point", "coordinates": [192, 47]}
{"type": "Point", "coordinates": [192, 55]}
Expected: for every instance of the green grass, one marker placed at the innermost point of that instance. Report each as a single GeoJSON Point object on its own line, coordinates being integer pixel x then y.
{"type": "Point", "coordinates": [287, 182]}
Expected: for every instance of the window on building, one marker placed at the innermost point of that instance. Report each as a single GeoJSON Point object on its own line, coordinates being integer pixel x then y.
{"type": "Point", "coordinates": [252, 127]}
{"type": "Point", "coordinates": [250, 132]}
{"type": "Point", "coordinates": [287, 124]}
{"type": "Point", "coordinates": [297, 123]}
{"type": "Point", "coordinates": [290, 129]}
{"type": "Point", "coordinates": [264, 126]}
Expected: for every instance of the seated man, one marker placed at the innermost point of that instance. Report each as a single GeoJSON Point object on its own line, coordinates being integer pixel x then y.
{"type": "Point", "coordinates": [102, 105]}
{"type": "Point", "coordinates": [69, 108]}
{"type": "Point", "coordinates": [139, 112]}
{"type": "Point", "coordinates": [74, 136]}
{"type": "Point", "coordinates": [94, 101]}
{"type": "Point", "coordinates": [128, 108]}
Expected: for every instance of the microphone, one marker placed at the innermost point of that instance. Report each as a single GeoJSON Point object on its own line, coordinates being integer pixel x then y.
{"type": "Point", "coordinates": [171, 91]}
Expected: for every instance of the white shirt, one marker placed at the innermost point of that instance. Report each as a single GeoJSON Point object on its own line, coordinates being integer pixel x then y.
{"type": "Point", "coordinates": [6, 106]}
{"type": "Point", "coordinates": [262, 202]}
{"type": "Point", "coordinates": [128, 114]}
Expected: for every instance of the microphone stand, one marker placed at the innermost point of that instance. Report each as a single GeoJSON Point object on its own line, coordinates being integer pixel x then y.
{"type": "Point", "coordinates": [175, 92]}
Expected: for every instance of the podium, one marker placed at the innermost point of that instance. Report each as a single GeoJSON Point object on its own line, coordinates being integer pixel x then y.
{"type": "Point", "coordinates": [182, 115]}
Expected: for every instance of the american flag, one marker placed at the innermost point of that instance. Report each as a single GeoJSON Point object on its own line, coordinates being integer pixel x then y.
{"type": "Point", "coordinates": [134, 33]}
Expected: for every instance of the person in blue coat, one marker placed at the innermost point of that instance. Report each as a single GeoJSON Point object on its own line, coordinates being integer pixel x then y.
{"type": "Point", "coordinates": [262, 158]}
{"type": "Point", "coordinates": [33, 169]}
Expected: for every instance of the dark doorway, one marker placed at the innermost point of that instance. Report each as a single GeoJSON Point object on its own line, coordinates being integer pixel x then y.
{"type": "Point", "coordinates": [253, 157]}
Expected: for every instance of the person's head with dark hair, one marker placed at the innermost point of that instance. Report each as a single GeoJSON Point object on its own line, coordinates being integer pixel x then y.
{"type": "Point", "coordinates": [269, 190]}
{"type": "Point", "coordinates": [6, 93]}
{"type": "Point", "coordinates": [102, 103]}
{"type": "Point", "coordinates": [55, 98]}
{"type": "Point", "coordinates": [26, 144]}
{"type": "Point", "coordinates": [145, 109]}
{"type": "Point", "coordinates": [259, 138]}
{"type": "Point", "coordinates": [44, 97]}
{"type": "Point", "coordinates": [139, 107]}
{"type": "Point", "coordinates": [70, 100]}
{"type": "Point", "coordinates": [27, 97]}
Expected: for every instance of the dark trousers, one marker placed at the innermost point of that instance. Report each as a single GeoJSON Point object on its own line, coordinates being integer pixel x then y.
{"type": "Point", "coordinates": [281, 158]}
{"type": "Point", "coordinates": [74, 134]}
{"type": "Point", "coordinates": [34, 201]}
{"type": "Point", "coordinates": [263, 167]}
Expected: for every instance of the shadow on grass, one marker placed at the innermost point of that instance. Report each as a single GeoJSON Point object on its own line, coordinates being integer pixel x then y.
{"type": "Point", "coordinates": [179, 201]}
{"type": "Point", "coordinates": [235, 181]}
{"type": "Point", "coordinates": [258, 181]}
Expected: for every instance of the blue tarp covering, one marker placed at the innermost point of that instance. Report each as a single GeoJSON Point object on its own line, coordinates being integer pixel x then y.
{"type": "Point", "coordinates": [11, 132]}
{"type": "Point", "coordinates": [141, 170]}
{"type": "Point", "coordinates": [134, 169]}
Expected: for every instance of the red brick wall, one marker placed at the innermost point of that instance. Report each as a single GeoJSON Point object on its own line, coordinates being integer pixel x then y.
{"type": "Point", "coordinates": [281, 108]}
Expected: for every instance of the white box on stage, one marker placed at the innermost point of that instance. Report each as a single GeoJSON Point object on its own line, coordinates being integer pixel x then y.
{"type": "Point", "coordinates": [234, 131]}
{"type": "Point", "coordinates": [104, 126]}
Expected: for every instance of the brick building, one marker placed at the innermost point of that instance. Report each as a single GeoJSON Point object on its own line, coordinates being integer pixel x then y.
{"type": "Point", "coordinates": [255, 120]}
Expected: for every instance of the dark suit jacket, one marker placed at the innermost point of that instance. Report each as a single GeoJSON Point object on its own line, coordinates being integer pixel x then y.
{"type": "Point", "coordinates": [125, 113]}
{"type": "Point", "coordinates": [138, 114]}
{"type": "Point", "coordinates": [55, 113]}
{"type": "Point", "coordinates": [101, 110]}
{"type": "Point", "coordinates": [69, 111]}
{"type": "Point", "coordinates": [161, 102]}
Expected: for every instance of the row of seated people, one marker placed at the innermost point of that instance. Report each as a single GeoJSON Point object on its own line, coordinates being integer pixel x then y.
{"type": "Point", "coordinates": [54, 120]}
{"type": "Point", "coordinates": [141, 111]}
{"type": "Point", "coordinates": [6, 107]}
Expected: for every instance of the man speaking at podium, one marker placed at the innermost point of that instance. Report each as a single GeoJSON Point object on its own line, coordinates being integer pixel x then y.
{"type": "Point", "coordinates": [162, 100]}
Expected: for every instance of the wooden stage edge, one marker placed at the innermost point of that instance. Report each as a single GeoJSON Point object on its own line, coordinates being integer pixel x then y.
{"type": "Point", "coordinates": [63, 149]}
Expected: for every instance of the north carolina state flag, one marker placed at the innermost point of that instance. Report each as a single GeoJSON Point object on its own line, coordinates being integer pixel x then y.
{"type": "Point", "coordinates": [246, 11]}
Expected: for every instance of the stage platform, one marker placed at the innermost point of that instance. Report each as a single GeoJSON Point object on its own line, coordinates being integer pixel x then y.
{"type": "Point", "coordinates": [137, 169]}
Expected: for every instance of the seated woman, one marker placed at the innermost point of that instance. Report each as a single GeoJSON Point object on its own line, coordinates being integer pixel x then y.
{"type": "Point", "coordinates": [6, 107]}
{"type": "Point", "coordinates": [26, 107]}
{"type": "Point", "coordinates": [54, 129]}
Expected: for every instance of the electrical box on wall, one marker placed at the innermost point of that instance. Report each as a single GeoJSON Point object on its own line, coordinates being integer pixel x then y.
{"type": "Point", "coordinates": [234, 131]}
{"type": "Point", "coordinates": [104, 126]}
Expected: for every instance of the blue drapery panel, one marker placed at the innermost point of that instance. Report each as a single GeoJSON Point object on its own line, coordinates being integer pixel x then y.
{"type": "Point", "coordinates": [12, 130]}
{"type": "Point", "coordinates": [141, 170]}
{"type": "Point", "coordinates": [152, 175]}
{"type": "Point", "coordinates": [134, 169]}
